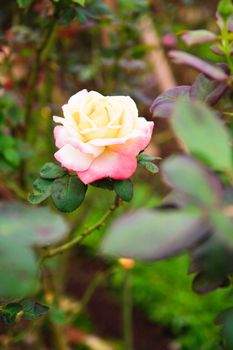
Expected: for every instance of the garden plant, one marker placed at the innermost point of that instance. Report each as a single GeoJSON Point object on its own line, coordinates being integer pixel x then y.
{"type": "Point", "coordinates": [105, 157]}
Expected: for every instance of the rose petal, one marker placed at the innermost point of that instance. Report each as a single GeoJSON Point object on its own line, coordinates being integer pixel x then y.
{"type": "Point", "coordinates": [78, 99]}
{"type": "Point", "coordinates": [108, 141]}
{"type": "Point", "coordinates": [134, 145]}
{"type": "Point", "coordinates": [129, 113]}
{"type": "Point", "coordinates": [85, 147]}
{"type": "Point", "coordinates": [109, 164]}
{"type": "Point", "coordinates": [60, 134]}
{"type": "Point", "coordinates": [72, 159]}
{"type": "Point", "coordinates": [144, 131]}
{"type": "Point", "coordinates": [69, 124]}
{"type": "Point", "coordinates": [62, 137]}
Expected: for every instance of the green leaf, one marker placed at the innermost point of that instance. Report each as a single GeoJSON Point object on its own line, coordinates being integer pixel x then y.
{"type": "Point", "coordinates": [152, 235]}
{"type": "Point", "coordinates": [146, 157]}
{"type": "Point", "coordinates": [207, 90]}
{"type": "Point", "coordinates": [42, 189]}
{"type": "Point", "coordinates": [190, 178]}
{"type": "Point", "coordinates": [52, 171]}
{"type": "Point", "coordinates": [23, 3]}
{"type": "Point", "coordinates": [6, 142]}
{"type": "Point", "coordinates": [58, 316]}
{"type": "Point", "coordinates": [144, 160]}
{"type": "Point", "coordinates": [164, 104]}
{"type": "Point", "coordinates": [225, 320]}
{"type": "Point", "coordinates": [81, 16]}
{"type": "Point", "coordinates": [18, 269]}
{"type": "Point", "coordinates": [68, 193]}
{"type": "Point", "coordinates": [106, 184]}
{"type": "Point", "coordinates": [33, 310]}
{"type": "Point", "coordinates": [223, 226]}
{"type": "Point", "coordinates": [12, 156]}
{"type": "Point", "coordinates": [79, 2]}
{"type": "Point", "coordinates": [31, 226]}
{"type": "Point", "coordinates": [212, 262]}
{"type": "Point", "coordinates": [124, 189]}
{"type": "Point", "coordinates": [9, 313]}
{"type": "Point", "coordinates": [203, 284]}
{"type": "Point", "coordinates": [203, 134]}
{"type": "Point", "coordinates": [149, 166]}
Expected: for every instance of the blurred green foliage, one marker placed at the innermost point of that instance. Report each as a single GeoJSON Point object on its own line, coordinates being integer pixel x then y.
{"type": "Point", "coordinates": [74, 57]}
{"type": "Point", "coordinates": [164, 293]}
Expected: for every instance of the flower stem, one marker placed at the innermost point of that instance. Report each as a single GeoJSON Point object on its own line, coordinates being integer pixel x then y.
{"type": "Point", "coordinates": [127, 311]}
{"type": "Point", "coordinates": [77, 240]}
{"type": "Point", "coordinates": [226, 46]}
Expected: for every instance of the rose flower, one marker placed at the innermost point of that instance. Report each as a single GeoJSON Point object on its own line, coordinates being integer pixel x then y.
{"type": "Point", "coordinates": [101, 136]}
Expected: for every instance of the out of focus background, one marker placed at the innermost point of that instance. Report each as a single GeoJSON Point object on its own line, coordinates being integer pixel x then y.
{"type": "Point", "coordinates": [49, 50]}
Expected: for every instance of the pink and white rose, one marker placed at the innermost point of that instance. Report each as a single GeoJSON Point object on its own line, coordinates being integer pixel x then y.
{"type": "Point", "coordinates": [100, 136]}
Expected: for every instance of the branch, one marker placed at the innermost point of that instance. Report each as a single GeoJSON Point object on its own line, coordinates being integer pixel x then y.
{"type": "Point", "coordinates": [127, 311]}
{"type": "Point", "coordinates": [40, 56]}
{"type": "Point", "coordinates": [159, 63]}
{"type": "Point", "coordinates": [77, 240]}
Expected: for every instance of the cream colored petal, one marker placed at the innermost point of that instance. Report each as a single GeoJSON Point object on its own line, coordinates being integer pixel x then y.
{"type": "Point", "coordinates": [128, 115]}
{"type": "Point", "coordinates": [78, 100]}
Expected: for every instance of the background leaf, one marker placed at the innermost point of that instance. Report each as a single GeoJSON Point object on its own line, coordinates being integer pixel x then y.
{"type": "Point", "coordinates": [33, 310]}
{"type": "Point", "coordinates": [203, 134]}
{"type": "Point", "coordinates": [23, 3]}
{"type": "Point", "coordinates": [18, 269]}
{"type": "Point", "coordinates": [153, 234]}
{"type": "Point", "coordinates": [31, 226]}
{"type": "Point", "coordinates": [9, 313]}
{"type": "Point", "coordinates": [79, 2]}
{"type": "Point", "coordinates": [164, 104]}
{"type": "Point", "coordinates": [186, 175]}
{"type": "Point", "coordinates": [207, 90]}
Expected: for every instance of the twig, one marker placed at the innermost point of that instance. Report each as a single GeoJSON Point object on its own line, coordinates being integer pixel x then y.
{"type": "Point", "coordinates": [77, 240]}
{"type": "Point", "coordinates": [127, 312]}
{"type": "Point", "coordinates": [95, 283]}
{"type": "Point", "coordinates": [41, 53]}
{"type": "Point", "coordinates": [40, 57]}
{"type": "Point", "coordinates": [159, 63]}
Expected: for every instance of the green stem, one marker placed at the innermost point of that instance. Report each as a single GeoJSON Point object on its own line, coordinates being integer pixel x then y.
{"type": "Point", "coordinates": [127, 312]}
{"type": "Point", "coordinates": [40, 56]}
{"type": "Point", "coordinates": [226, 46]}
{"type": "Point", "coordinates": [77, 240]}
{"type": "Point", "coordinates": [95, 283]}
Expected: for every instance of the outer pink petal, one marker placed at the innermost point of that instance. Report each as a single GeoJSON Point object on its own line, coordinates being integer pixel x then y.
{"type": "Point", "coordinates": [134, 146]}
{"type": "Point", "coordinates": [72, 159]}
{"type": "Point", "coordinates": [60, 135]}
{"type": "Point", "coordinates": [109, 164]}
